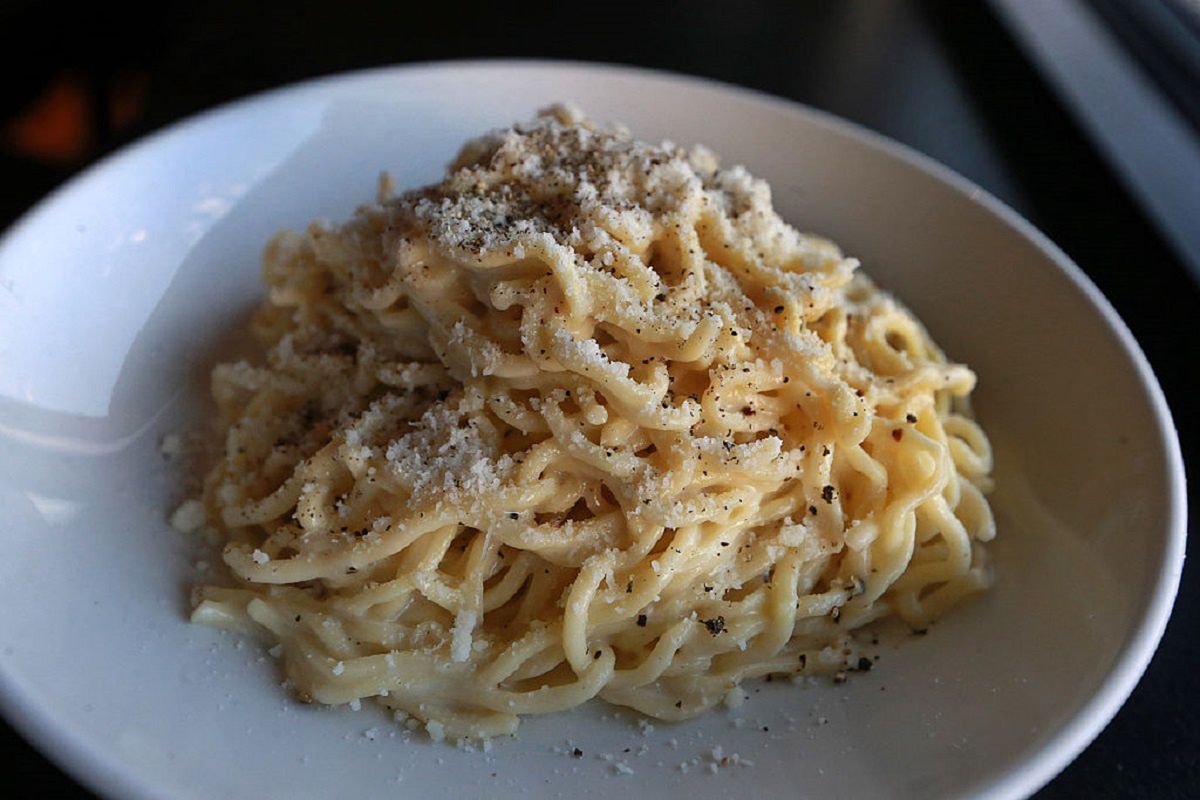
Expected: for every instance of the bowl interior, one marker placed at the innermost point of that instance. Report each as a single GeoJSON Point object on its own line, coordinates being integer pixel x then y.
{"type": "Point", "coordinates": [120, 292]}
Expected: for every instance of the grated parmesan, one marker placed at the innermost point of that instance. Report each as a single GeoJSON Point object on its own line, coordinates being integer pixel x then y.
{"type": "Point", "coordinates": [189, 517]}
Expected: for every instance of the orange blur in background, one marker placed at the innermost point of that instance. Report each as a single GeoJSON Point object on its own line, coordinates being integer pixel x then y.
{"type": "Point", "coordinates": [62, 125]}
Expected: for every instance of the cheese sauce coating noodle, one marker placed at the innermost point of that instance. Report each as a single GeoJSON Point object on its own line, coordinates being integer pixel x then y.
{"type": "Point", "coordinates": [585, 419]}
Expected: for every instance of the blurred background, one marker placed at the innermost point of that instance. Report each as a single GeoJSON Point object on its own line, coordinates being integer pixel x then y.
{"type": "Point", "coordinates": [1084, 115]}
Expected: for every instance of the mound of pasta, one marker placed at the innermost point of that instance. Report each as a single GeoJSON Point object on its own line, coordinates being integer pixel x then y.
{"type": "Point", "coordinates": [584, 419]}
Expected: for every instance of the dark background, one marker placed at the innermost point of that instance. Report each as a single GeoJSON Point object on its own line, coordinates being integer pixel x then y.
{"type": "Point", "coordinates": [943, 77]}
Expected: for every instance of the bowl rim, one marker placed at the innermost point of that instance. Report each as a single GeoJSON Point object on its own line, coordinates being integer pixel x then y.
{"type": "Point", "coordinates": [77, 755]}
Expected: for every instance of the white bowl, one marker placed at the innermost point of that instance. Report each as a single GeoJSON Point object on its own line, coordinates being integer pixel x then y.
{"type": "Point", "coordinates": [117, 293]}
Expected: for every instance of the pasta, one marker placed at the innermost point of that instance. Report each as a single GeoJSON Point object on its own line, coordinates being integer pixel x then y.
{"type": "Point", "coordinates": [585, 419]}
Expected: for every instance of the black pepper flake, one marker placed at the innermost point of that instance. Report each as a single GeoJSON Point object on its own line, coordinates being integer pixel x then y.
{"type": "Point", "coordinates": [897, 434]}
{"type": "Point", "coordinates": [577, 753]}
{"type": "Point", "coordinates": [920, 631]}
{"type": "Point", "coordinates": [679, 704]}
{"type": "Point", "coordinates": [715, 625]}
{"type": "Point", "coordinates": [812, 509]}
{"type": "Point", "coordinates": [911, 417]}
{"type": "Point", "coordinates": [865, 664]}
{"type": "Point", "coordinates": [596, 655]}
{"type": "Point", "coordinates": [629, 587]}
{"type": "Point", "coordinates": [803, 660]}
{"type": "Point", "coordinates": [641, 620]}
{"type": "Point", "coordinates": [513, 515]}
{"type": "Point", "coordinates": [827, 493]}
{"type": "Point", "coordinates": [778, 309]}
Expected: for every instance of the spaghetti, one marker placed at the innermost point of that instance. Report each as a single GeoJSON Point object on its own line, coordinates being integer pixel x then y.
{"type": "Point", "coordinates": [585, 419]}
